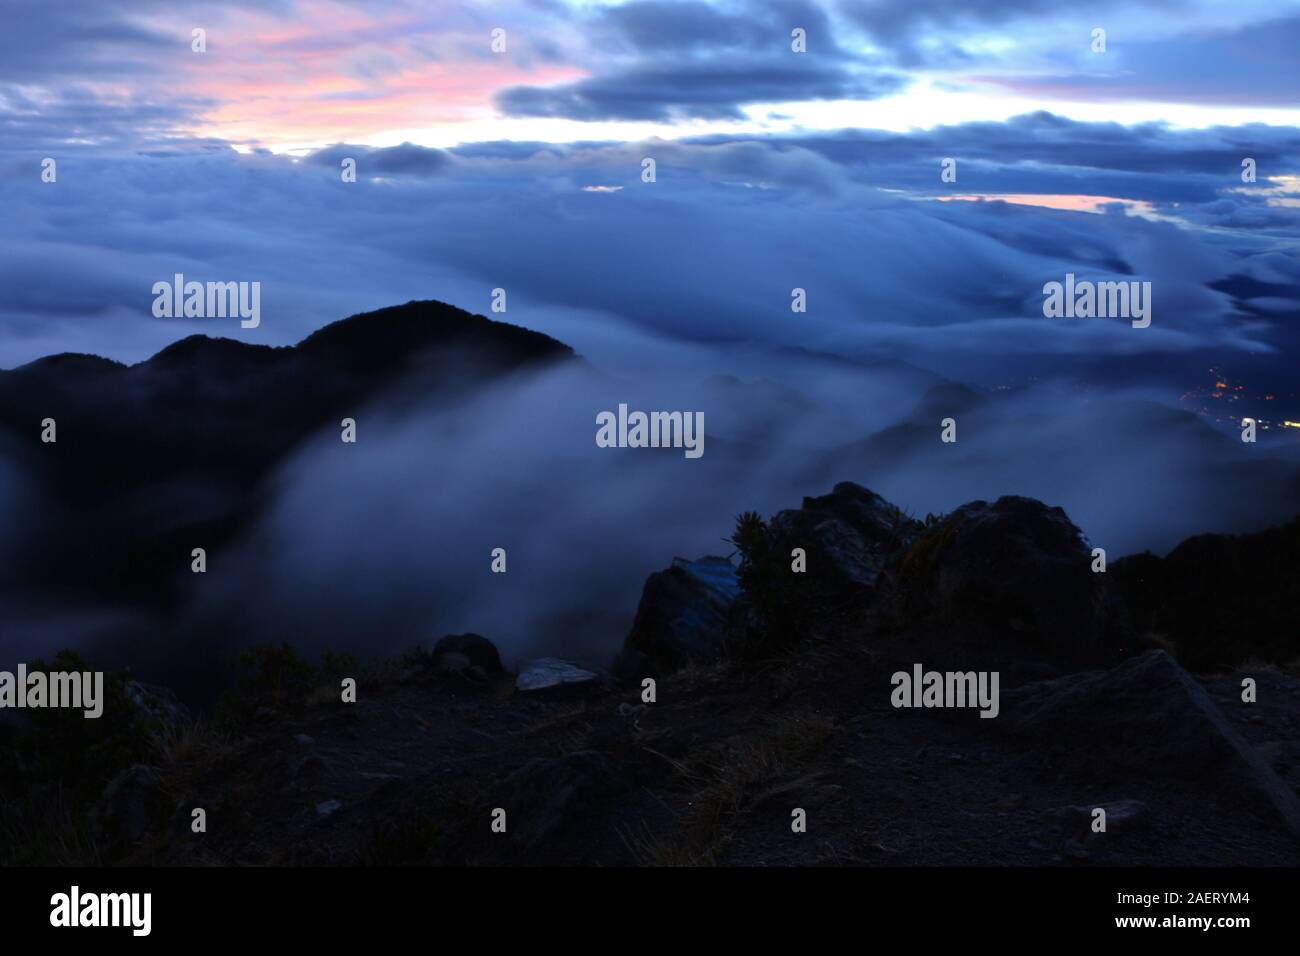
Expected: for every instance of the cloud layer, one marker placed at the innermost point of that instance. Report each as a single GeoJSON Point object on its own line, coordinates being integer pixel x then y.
{"type": "Point", "coordinates": [894, 262]}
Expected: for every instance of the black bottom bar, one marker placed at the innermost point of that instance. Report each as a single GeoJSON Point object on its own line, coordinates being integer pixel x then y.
{"type": "Point", "coordinates": [329, 906]}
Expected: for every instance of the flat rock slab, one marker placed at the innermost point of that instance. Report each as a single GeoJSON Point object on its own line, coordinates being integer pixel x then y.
{"type": "Point", "coordinates": [548, 672]}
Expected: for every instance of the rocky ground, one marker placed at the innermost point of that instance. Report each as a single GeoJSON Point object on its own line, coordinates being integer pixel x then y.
{"type": "Point", "coordinates": [772, 694]}
{"type": "Point", "coordinates": [711, 772]}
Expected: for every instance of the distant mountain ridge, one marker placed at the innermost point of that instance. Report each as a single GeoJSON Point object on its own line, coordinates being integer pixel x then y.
{"type": "Point", "coordinates": [143, 451]}
{"type": "Point", "coordinates": [367, 337]}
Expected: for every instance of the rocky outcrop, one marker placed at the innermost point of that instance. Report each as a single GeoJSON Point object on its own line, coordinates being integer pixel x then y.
{"type": "Point", "coordinates": [849, 535]}
{"type": "Point", "coordinates": [682, 616]}
{"type": "Point", "coordinates": [694, 610]}
{"type": "Point", "coordinates": [1220, 598]}
{"type": "Point", "coordinates": [1013, 568]}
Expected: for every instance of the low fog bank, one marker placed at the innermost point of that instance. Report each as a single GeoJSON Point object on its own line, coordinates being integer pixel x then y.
{"type": "Point", "coordinates": [1132, 471]}
{"type": "Point", "coordinates": [379, 546]}
{"type": "Point", "coordinates": [382, 545]}
{"type": "Point", "coordinates": [388, 543]}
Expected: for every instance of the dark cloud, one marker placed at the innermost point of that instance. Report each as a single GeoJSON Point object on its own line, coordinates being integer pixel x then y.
{"type": "Point", "coordinates": [661, 26]}
{"type": "Point", "coordinates": [665, 59]}
{"type": "Point", "coordinates": [670, 26]}
{"type": "Point", "coordinates": [1044, 153]}
{"type": "Point", "coordinates": [925, 31]}
{"type": "Point", "coordinates": [898, 18]}
{"type": "Point", "coordinates": [105, 39]}
{"type": "Point", "coordinates": [79, 116]}
{"type": "Point", "coordinates": [1251, 213]}
{"type": "Point", "coordinates": [714, 90]}
{"type": "Point", "coordinates": [406, 159]}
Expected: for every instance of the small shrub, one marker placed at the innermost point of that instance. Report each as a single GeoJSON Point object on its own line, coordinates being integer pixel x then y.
{"type": "Point", "coordinates": [267, 677]}
{"type": "Point", "coordinates": [781, 604]}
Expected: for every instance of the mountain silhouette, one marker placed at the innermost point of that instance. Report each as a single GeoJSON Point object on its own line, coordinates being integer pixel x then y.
{"type": "Point", "coordinates": [153, 457]}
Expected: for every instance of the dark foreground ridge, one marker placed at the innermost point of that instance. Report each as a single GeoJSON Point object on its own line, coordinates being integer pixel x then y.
{"type": "Point", "coordinates": [773, 695]}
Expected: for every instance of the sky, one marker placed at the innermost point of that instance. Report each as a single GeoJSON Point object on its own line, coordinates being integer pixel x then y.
{"type": "Point", "coordinates": [502, 146]}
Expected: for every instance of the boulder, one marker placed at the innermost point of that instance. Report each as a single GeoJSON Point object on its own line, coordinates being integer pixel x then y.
{"type": "Point", "coordinates": [682, 616]}
{"type": "Point", "coordinates": [457, 653]}
{"type": "Point", "coordinates": [1015, 568]}
{"type": "Point", "coordinates": [849, 534]}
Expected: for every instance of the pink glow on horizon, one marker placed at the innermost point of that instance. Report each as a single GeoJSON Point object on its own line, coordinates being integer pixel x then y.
{"type": "Point", "coordinates": [345, 76]}
{"type": "Point", "coordinates": [1066, 202]}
